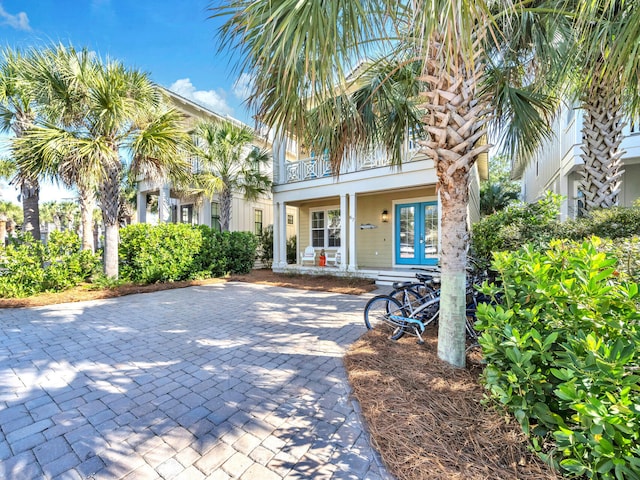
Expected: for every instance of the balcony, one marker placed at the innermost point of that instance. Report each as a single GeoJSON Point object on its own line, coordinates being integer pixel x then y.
{"type": "Point", "coordinates": [319, 166]}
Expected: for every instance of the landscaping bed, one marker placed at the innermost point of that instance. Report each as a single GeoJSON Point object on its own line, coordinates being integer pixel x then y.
{"type": "Point", "coordinates": [427, 419]}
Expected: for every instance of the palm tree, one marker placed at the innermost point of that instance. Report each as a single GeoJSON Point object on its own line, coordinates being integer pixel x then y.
{"type": "Point", "coordinates": [58, 77]}
{"type": "Point", "coordinates": [17, 114]}
{"type": "Point", "coordinates": [309, 54]}
{"type": "Point", "coordinates": [229, 163]}
{"type": "Point", "coordinates": [122, 110]}
{"type": "Point", "coordinates": [607, 85]}
{"type": "Point", "coordinates": [49, 214]}
{"type": "Point", "coordinates": [499, 190]}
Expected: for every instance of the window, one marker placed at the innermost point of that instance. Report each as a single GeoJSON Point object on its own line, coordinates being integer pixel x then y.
{"type": "Point", "coordinates": [333, 229]}
{"type": "Point", "coordinates": [257, 221]}
{"type": "Point", "coordinates": [317, 229]}
{"type": "Point", "coordinates": [325, 228]}
{"type": "Point", "coordinates": [289, 219]}
{"type": "Point", "coordinates": [215, 216]}
{"type": "Point", "coordinates": [186, 214]}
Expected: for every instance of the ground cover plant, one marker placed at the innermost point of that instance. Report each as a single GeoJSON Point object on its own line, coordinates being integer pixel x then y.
{"type": "Point", "coordinates": [563, 354]}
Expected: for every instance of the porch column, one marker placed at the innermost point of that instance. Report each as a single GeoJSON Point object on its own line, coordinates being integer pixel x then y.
{"type": "Point", "coordinates": [344, 217]}
{"type": "Point", "coordinates": [276, 235]}
{"type": "Point", "coordinates": [279, 150]}
{"type": "Point", "coordinates": [569, 205]}
{"type": "Point", "coordinates": [352, 233]}
{"type": "Point", "coordinates": [164, 204]}
{"type": "Point", "coordinates": [282, 246]}
{"type": "Point", "coordinates": [205, 218]}
{"type": "Point", "coordinates": [141, 207]}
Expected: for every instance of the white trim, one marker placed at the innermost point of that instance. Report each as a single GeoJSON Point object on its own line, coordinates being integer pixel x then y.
{"type": "Point", "coordinates": [325, 210]}
{"type": "Point", "coordinates": [401, 201]}
{"type": "Point", "coordinates": [253, 223]}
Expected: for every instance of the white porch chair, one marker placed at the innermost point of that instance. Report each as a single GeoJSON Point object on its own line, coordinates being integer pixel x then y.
{"type": "Point", "coordinates": [309, 255]}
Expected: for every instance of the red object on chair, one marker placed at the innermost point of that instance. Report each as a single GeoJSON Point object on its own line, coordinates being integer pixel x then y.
{"type": "Point", "coordinates": [322, 260]}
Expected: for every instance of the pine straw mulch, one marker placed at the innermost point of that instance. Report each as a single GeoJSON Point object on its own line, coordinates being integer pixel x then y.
{"type": "Point", "coordinates": [427, 419]}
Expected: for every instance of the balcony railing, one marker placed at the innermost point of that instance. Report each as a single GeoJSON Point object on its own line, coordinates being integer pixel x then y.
{"type": "Point", "coordinates": [319, 166]}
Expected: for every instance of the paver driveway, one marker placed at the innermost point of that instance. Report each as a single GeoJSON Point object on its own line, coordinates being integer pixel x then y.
{"type": "Point", "coordinates": [221, 381]}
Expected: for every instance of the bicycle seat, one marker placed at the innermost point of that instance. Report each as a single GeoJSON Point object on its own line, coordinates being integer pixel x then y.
{"type": "Point", "coordinates": [399, 285]}
{"type": "Point", "coordinates": [424, 277]}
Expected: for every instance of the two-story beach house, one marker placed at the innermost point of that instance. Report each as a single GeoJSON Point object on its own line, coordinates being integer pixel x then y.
{"type": "Point", "coordinates": [557, 165]}
{"type": "Point", "coordinates": [159, 202]}
{"type": "Point", "coordinates": [372, 220]}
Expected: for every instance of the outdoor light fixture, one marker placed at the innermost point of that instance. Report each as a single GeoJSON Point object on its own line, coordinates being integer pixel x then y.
{"type": "Point", "coordinates": [385, 216]}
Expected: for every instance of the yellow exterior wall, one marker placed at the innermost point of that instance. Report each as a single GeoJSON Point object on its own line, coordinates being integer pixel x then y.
{"type": "Point", "coordinates": [375, 246]}
{"type": "Point", "coordinates": [305, 219]}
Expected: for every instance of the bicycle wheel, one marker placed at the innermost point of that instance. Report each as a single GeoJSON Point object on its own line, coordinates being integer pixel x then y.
{"type": "Point", "coordinates": [377, 311]}
{"type": "Point", "coordinates": [407, 297]}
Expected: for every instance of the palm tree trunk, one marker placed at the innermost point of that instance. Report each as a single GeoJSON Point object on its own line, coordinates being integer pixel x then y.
{"type": "Point", "coordinates": [453, 262]}
{"type": "Point", "coordinates": [225, 209]}
{"type": "Point", "coordinates": [86, 212]}
{"type": "Point", "coordinates": [601, 138]}
{"type": "Point", "coordinates": [30, 192]}
{"type": "Point", "coordinates": [455, 120]}
{"type": "Point", "coordinates": [109, 200]}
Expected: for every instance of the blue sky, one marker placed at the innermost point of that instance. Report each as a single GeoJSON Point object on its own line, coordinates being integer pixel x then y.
{"type": "Point", "coordinates": [174, 41]}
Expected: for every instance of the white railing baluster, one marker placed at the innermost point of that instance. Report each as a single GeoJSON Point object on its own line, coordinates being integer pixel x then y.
{"type": "Point", "coordinates": [320, 167]}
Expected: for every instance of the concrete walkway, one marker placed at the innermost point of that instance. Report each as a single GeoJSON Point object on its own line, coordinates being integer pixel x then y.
{"type": "Point", "coordinates": [222, 381]}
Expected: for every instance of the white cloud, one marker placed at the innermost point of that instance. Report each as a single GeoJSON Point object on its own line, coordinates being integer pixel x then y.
{"type": "Point", "coordinates": [19, 21]}
{"type": "Point", "coordinates": [243, 86]}
{"type": "Point", "coordinates": [212, 99]}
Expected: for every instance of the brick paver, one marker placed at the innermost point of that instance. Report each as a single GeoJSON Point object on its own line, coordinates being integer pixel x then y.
{"type": "Point", "coordinates": [221, 381]}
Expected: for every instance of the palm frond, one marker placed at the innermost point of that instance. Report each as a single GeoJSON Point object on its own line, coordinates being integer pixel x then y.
{"type": "Point", "coordinates": [335, 34]}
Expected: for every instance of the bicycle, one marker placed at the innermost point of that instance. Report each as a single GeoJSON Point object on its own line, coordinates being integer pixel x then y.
{"type": "Point", "coordinates": [415, 293]}
{"type": "Point", "coordinates": [408, 311]}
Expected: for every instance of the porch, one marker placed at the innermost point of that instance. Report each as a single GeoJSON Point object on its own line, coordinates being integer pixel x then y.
{"type": "Point", "coordinates": [382, 276]}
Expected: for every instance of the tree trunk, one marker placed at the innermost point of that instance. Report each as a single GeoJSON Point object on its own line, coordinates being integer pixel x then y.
{"type": "Point", "coordinates": [453, 262]}
{"type": "Point", "coordinates": [30, 192]}
{"type": "Point", "coordinates": [601, 138]}
{"type": "Point", "coordinates": [109, 200]}
{"type": "Point", "coordinates": [87, 204]}
{"type": "Point", "coordinates": [456, 118]}
{"type": "Point", "coordinates": [225, 209]}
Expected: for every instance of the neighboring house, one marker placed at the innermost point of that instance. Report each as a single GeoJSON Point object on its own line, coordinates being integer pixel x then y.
{"type": "Point", "coordinates": [158, 202]}
{"type": "Point", "coordinates": [557, 166]}
{"type": "Point", "coordinates": [372, 220]}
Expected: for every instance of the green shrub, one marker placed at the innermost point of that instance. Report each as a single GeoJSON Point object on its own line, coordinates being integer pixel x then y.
{"type": "Point", "coordinates": [239, 250]}
{"type": "Point", "coordinates": [538, 224]}
{"type": "Point", "coordinates": [562, 355]}
{"type": "Point", "coordinates": [614, 222]}
{"type": "Point", "coordinates": [171, 252]}
{"type": "Point", "coordinates": [210, 260]}
{"type": "Point", "coordinates": [266, 247]}
{"type": "Point", "coordinates": [513, 227]}
{"type": "Point", "coordinates": [21, 269]}
{"type": "Point", "coordinates": [292, 250]}
{"type": "Point", "coordinates": [627, 251]}
{"type": "Point", "coordinates": [158, 253]}
{"type": "Point", "coordinates": [29, 267]}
